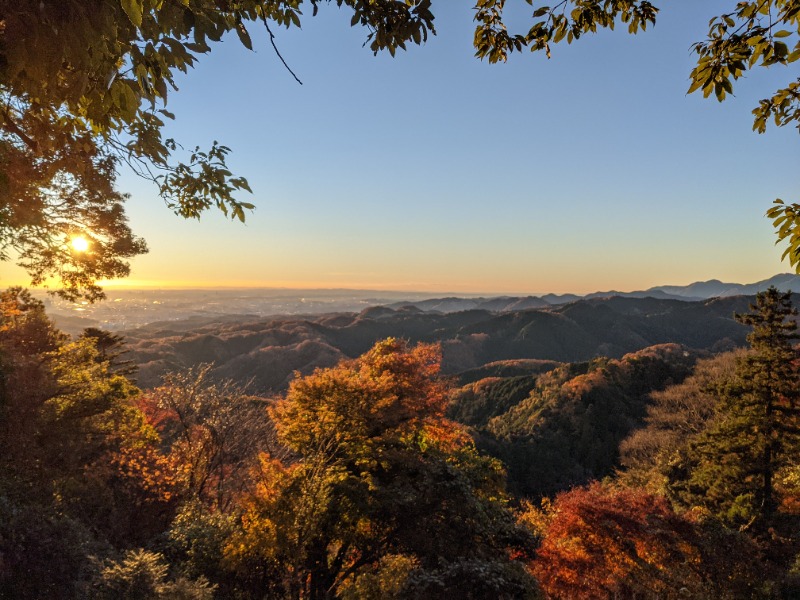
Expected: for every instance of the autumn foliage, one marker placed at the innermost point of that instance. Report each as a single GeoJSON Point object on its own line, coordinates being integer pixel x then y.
{"type": "Point", "coordinates": [602, 542]}
{"type": "Point", "coordinates": [390, 394]}
{"type": "Point", "coordinates": [376, 475]}
{"type": "Point", "coordinates": [355, 484]}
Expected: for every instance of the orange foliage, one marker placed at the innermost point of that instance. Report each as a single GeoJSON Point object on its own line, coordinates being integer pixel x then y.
{"type": "Point", "coordinates": [212, 433]}
{"type": "Point", "coordinates": [363, 436]}
{"type": "Point", "coordinates": [605, 543]}
{"type": "Point", "coordinates": [257, 535]}
{"type": "Point", "coordinates": [391, 393]}
{"type": "Point", "coordinates": [149, 469]}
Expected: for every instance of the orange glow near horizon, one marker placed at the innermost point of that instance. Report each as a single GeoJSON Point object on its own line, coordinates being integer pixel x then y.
{"type": "Point", "coordinates": [423, 287]}
{"type": "Point", "coordinates": [579, 279]}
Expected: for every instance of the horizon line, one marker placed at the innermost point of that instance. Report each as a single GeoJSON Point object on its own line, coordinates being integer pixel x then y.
{"type": "Point", "coordinates": [111, 287]}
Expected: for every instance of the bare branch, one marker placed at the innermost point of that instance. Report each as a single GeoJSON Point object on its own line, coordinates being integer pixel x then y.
{"type": "Point", "coordinates": [272, 41]}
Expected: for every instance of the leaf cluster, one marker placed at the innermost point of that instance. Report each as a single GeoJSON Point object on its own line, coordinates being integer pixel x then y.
{"type": "Point", "coordinates": [757, 33]}
{"type": "Point", "coordinates": [567, 20]}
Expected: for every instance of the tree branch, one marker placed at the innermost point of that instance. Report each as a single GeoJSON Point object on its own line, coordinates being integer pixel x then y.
{"type": "Point", "coordinates": [272, 41]}
{"type": "Point", "coordinates": [10, 126]}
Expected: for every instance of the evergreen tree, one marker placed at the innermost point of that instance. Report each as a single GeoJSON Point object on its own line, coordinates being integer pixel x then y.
{"type": "Point", "coordinates": [737, 459]}
{"type": "Point", "coordinates": [771, 389]}
{"type": "Point", "coordinates": [111, 348]}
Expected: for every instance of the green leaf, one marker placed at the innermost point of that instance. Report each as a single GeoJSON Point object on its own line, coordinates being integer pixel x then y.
{"type": "Point", "coordinates": [244, 36]}
{"type": "Point", "coordinates": [696, 85]}
{"type": "Point", "coordinates": [134, 10]}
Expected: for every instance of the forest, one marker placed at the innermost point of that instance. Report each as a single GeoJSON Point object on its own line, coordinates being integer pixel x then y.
{"type": "Point", "coordinates": [665, 472]}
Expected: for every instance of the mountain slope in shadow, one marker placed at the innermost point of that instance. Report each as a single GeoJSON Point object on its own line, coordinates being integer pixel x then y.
{"type": "Point", "coordinates": [266, 352]}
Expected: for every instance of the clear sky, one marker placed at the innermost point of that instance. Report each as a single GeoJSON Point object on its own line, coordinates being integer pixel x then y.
{"type": "Point", "coordinates": [434, 171]}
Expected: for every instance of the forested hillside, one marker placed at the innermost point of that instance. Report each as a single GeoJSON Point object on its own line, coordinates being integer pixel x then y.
{"type": "Point", "coordinates": [564, 428]}
{"type": "Point", "coordinates": [354, 484]}
{"type": "Point", "coordinates": [665, 473]}
{"type": "Point", "coordinates": [266, 352]}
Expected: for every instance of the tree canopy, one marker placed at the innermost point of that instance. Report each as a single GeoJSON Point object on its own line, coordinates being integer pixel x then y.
{"type": "Point", "coordinates": [85, 85]}
{"type": "Point", "coordinates": [605, 542]}
{"type": "Point", "coordinates": [384, 497]}
{"type": "Point", "coordinates": [734, 467]}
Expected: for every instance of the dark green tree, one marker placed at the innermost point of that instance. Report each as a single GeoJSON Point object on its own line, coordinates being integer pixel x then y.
{"type": "Point", "coordinates": [732, 467]}
{"type": "Point", "coordinates": [770, 390]}
{"type": "Point", "coordinates": [111, 349]}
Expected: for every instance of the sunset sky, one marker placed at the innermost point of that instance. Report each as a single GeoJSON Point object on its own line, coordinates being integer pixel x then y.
{"type": "Point", "coordinates": [433, 171]}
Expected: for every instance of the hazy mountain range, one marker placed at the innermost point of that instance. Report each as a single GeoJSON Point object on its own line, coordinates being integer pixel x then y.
{"type": "Point", "coordinates": [128, 309]}
{"type": "Point", "coordinates": [267, 351]}
{"type": "Point", "coordinates": [700, 290]}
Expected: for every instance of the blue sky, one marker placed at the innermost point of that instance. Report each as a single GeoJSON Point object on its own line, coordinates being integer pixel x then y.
{"type": "Point", "coordinates": [435, 171]}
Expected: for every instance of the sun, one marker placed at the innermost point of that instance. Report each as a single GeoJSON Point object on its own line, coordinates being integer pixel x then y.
{"type": "Point", "coordinates": [79, 243]}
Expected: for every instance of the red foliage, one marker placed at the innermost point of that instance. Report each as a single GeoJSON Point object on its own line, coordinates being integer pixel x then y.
{"type": "Point", "coordinates": [159, 417]}
{"type": "Point", "coordinates": [604, 543]}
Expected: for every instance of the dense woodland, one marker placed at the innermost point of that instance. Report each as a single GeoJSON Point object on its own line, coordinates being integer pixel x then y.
{"type": "Point", "coordinates": [667, 472]}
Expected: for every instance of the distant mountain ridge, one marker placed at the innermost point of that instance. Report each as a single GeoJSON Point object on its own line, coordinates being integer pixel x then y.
{"type": "Point", "coordinates": [126, 309]}
{"type": "Point", "coordinates": [267, 351]}
{"type": "Point", "coordinates": [694, 292]}
{"type": "Point", "coordinates": [717, 289]}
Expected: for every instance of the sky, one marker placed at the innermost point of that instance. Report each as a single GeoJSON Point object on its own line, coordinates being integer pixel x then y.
{"type": "Point", "coordinates": [434, 171]}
